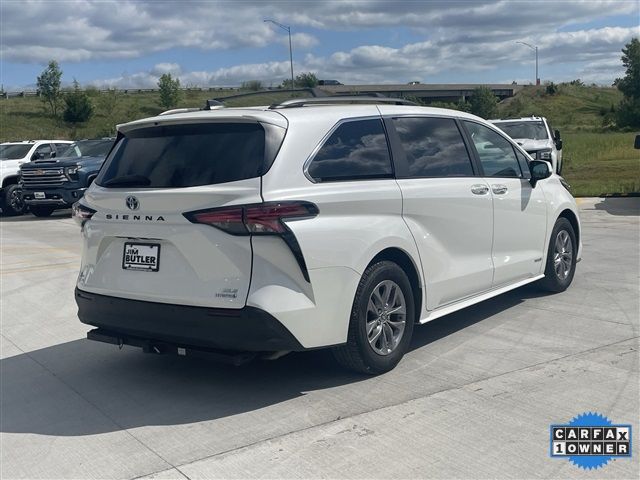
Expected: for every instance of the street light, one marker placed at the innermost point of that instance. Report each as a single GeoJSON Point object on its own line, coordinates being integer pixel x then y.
{"type": "Point", "coordinates": [288, 29]}
{"type": "Point", "coordinates": [535, 49]}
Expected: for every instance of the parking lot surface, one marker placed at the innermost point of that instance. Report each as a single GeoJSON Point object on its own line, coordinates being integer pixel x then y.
{"type": "Point", "coordinates": [473, 399]}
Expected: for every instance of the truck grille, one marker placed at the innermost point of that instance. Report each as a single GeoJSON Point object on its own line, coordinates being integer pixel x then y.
{"type": "Point", "coordinates": [44, 177]}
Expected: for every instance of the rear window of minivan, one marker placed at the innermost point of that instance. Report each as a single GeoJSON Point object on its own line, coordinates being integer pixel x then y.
{"type": "Point", "coordinates": [186, 155]}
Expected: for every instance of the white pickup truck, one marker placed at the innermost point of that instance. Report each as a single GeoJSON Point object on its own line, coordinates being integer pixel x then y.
{"type": "Point", "coordinates": [14, 154]}
{"type": "Point", "coordinates": [536, 136]}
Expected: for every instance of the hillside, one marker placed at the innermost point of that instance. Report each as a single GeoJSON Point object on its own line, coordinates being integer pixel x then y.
{"type": "Point", "coordinates": [24, 118]}
{"type": "Point", "coordinates": [597, 160]}
{"type": "Point", "coordinates": [573, 108]}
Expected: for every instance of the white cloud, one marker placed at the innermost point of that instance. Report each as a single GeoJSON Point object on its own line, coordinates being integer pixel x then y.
{"type": "Point", "coordinates": [465, 37]}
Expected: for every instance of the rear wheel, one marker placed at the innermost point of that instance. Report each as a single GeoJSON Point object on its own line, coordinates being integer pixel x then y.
{"type": "Point", "coordinates": [561, 257]}
{"type": "Point", "coordinates": [381, 323]}
{"type": "Point", "coordinates": [13, 204]}
{"type": "Point", "coordinates": [40, 211]}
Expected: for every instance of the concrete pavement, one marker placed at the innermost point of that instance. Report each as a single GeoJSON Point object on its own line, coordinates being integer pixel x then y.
{"type": "Point", "coordinates": [473, 399]}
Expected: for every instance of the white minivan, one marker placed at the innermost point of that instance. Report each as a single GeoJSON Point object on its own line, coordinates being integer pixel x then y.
{"type": "Point", "coordinates": [333, 222]}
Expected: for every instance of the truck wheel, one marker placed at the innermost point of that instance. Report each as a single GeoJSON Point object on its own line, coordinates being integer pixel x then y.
{"type": "Point", "coordinates": [40, 211]}
{"type": "Point", "coordinates": [381, 321]}
{"type": "Point", "coordinates": [13, 204]}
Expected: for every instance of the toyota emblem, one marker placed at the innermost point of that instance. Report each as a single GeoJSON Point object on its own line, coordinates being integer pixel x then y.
{"type": "Point", "coordinates": [132, 203]}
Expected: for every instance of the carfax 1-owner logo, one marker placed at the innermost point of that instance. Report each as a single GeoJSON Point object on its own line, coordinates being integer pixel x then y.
{"type": "Point", "coordinates": [590, 440]}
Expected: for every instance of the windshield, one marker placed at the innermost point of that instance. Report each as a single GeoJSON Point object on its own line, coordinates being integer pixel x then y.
{"type": "Point", "coordinates": [531, 130]}
{"type": "Point", "coordinates": [176, 156]}
{"type": "Point", "coordinates": [87, 148]}
{"type": "Point", "coordinates": [14, 151]}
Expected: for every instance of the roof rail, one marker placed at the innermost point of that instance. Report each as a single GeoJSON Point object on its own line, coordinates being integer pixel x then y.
{"type": "Point", "coordinates": [301, 102]}
{"type": "Point", "coordinates": [177, 110]}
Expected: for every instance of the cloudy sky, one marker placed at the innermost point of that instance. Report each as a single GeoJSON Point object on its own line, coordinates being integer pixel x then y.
{"type": "Point", "coordinates": [131, 43]}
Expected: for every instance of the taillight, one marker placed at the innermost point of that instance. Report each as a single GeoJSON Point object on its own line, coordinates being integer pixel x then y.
{"type": "Point", "coordinates": [81, 213]}
{"type": "Point", "coordinates": [257, 219]}
{"type": "Point", "coordinates": [260, 219]}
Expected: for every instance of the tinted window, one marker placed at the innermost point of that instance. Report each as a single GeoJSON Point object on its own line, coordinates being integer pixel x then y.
{"type": "Point", "coordinates": [524, 162]}
{"type": "Point", "coordinates": [496, 153]}
{"type": "Point", "coordinates": [14, 152]}
{"type": "Point", "coordinates": [356, 149]}
{"type": "Point", "coordinates": [86, 148]}
{"type": "Point", "coordinates": [43, 151]}
{"type": "Point", "coordinates": [433, 147]}
{"type": "Point", "coordinates": [186, 155]}
{"type": "Point", "coordinates": [531, 130]}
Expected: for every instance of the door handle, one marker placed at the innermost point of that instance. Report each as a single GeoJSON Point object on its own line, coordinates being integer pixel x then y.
{"type": "Point", "coordinates": [479, 189]}
{"type": "Point", "coordinates": [499, 189]}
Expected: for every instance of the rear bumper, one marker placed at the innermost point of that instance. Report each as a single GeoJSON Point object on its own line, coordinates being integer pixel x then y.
{"type": "Point", "coordinates": [244, 329]}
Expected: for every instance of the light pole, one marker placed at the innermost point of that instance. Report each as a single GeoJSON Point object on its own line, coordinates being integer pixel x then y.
{"type": "Point", "coordinates": [288, 29]}
{"type": "Point", "coordinates": [535, 49]}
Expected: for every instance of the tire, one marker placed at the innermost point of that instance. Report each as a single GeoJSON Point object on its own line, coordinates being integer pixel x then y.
{"type": "Point", "coordinates": [562, 252]}
{"type": "Point", "coordinates": [393, 329]}
{"type": "Point", "coordinates": [12, 201]}
{"type": "Point", "coordinates": [40, 211]}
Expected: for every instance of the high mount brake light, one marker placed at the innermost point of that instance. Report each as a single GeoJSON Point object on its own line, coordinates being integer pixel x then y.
{"type": "Point", "coordinates": [80, 213]}
{"type": "Point", "coordinates": [260, 219]}
{"type": "Point", "coordinates": [257, 219]}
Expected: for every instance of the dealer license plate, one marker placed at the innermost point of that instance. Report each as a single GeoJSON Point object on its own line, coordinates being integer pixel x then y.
{"type": "Point", "coordinates": [144, 257]}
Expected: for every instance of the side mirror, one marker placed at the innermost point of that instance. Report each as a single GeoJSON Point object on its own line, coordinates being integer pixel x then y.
{"type": "Point", "coordinates": [636, 144]}
{"type": "Point", "coordinates": [558, 139]}
{"type": "Point", "coordinates": [539, 171]}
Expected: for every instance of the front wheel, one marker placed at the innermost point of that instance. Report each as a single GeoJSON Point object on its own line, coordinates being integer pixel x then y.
{"type": "Point", "coordinates": [381, 322]}
{"type": "Point", "coordinates": [41, 211]}
{"type": "Point", "coordinates": [13, 204]}
{"type": "Point", "coordinates": [561, 257]}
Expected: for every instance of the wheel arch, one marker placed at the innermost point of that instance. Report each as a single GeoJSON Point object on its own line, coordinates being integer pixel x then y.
{"type": "Point", "coordinates": [404, 261]}
{"type": "Point", "coordinates": [573, 220]}
{"type": "Point", "coordinates": [10, 180]}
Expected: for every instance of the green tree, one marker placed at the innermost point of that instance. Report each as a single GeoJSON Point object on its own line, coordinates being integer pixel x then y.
{"type": "Point", "coordinates": [304, 80]}
{"type": "Point", "coordinates": [628, 114]}
{"type": "Point", "coordinates": [251, 85]}
{"type": "Point", "coordinates": [78, 108]}
{"type": "Point", "coordinates": [169, 91]}
{"type": "Point", "coordinates": [483, 103]}
{"type": "Point", "coordinates": [49, 86]}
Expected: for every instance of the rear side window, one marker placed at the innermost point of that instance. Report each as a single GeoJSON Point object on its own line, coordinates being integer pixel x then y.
{"type": "Point", "coordinates": [356, 150]}
{"type": "Point", "coordinates": [433, 147]}
{"type": "Point", "coordinates": [173, 156]}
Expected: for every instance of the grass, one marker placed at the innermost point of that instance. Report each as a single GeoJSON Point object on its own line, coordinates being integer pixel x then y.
{"type": "Point", "coordinates": [572, 109]}
{"type": "Point", "coordinates": [596, 161]}
{"type": "Point", "coordinates": [598, 164]}
{"type": "Point", "coordinates": [23, 118]}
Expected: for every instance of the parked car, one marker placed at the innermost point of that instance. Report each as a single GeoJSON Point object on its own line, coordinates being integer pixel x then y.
{"type": "Point", "coordinates": [537, 137]}
{"type": "Point", "coordinates": [12, 156]}
{"type": "Point", "coordinates": [53, 183]}
{"type": "Point", "coordinates": [313, 223]}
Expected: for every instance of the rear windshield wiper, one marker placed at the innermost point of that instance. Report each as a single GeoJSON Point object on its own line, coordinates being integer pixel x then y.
{"type": "Point", "coordinates": [128, 181]}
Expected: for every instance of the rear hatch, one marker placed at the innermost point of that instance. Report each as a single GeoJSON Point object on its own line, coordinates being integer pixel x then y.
{"type": "Point", "coordinates": [139, 244]}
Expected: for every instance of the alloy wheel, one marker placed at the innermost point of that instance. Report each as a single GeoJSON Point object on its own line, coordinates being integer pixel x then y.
{"type": "Point", "coordinates": [563, 255]}
{"type": "Point", "coordinates": [386, 317]}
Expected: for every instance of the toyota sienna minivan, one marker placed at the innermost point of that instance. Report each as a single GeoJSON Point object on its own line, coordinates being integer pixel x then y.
{"type": "Point", "coordinates": [333, 222]}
